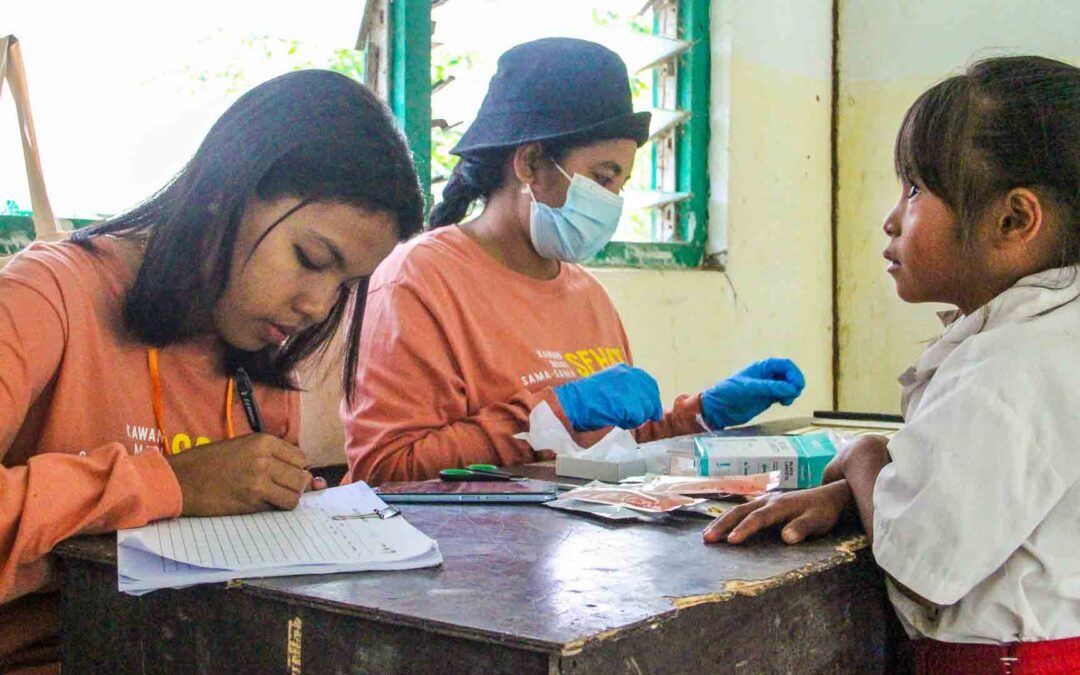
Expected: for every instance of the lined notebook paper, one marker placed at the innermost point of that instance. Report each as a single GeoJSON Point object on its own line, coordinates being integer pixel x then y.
{"type": "Point", "coordinates": [307, 540]}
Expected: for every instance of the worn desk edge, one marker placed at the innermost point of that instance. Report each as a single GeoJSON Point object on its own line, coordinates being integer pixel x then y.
{"type": "Point", "coordinates": [845, 551]}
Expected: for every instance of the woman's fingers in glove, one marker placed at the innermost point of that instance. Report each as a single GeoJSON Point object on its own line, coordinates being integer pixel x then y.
{"type": "Point", "coordinates": [776, 369]}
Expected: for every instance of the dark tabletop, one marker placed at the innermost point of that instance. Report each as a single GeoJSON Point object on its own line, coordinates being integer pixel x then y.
{"type": "Point", "coordinates": [547, 577]}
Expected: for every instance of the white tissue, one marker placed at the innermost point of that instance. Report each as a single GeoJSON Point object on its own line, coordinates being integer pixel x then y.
{"type": "Point", "coordinates": [546, 432]}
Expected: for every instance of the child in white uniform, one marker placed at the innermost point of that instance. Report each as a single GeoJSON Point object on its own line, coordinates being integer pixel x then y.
{"type": "Point", "coordinates": [974, 506]}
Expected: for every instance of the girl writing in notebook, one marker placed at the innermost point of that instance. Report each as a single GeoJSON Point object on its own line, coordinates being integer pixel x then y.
{"type": "Point", "coordinates": [974, 505]}
{"type": "Point", "coordinates": [118, 348]}
{"type": "Point", "coordinates": [474, 324]}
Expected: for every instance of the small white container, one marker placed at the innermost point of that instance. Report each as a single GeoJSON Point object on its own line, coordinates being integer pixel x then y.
{"type": "Point", "coordinates": [609, 472]}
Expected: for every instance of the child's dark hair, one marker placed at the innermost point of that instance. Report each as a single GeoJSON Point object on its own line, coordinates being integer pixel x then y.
{"type": "Point", "coordinates": [1007, 122]}
{"type": "Point", "coordinates": [314, 135]}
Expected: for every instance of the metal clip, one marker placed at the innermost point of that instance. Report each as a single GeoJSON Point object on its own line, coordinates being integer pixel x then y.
{"type": "Point", "coordinates": [389, 512]}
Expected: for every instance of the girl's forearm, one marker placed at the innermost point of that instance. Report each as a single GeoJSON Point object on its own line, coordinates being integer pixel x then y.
{"type": "Point", "coordinates": [861, 467]}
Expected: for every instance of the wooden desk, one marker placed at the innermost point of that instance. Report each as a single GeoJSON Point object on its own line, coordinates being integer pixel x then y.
{"type": "Point", "coordinates": [523, 589]}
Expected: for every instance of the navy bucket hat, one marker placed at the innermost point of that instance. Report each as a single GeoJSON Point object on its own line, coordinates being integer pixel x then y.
{"type": "Point", "coordinates": [555, 89]}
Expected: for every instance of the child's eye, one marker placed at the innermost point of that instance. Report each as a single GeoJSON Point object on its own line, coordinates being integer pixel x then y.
{"type": "Point", "coordinates": [913, 190]}
{"type": "Point", "coordinates": [306, 262]}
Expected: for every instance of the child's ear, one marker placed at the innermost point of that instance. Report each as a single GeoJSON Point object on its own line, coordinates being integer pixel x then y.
{"type": "Point", "coordinates": [1021, 217]}
{"type": "Point", "coordinates": [526, 161]}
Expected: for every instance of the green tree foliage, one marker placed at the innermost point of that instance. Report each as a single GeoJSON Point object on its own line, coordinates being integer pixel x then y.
{"type": "Point", "coordinates": [445, 67]}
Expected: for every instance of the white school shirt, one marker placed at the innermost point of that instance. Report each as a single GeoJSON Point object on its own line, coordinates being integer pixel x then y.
{"type": "Point", "coordinates": [979, 510]}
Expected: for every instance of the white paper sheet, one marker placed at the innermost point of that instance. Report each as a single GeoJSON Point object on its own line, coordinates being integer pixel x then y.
{"type": "Point", "coordinates": [307, 540]}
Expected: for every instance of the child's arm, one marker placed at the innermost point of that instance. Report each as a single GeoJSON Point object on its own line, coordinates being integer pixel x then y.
{"type": "Point", "coordinates": [860, 463]}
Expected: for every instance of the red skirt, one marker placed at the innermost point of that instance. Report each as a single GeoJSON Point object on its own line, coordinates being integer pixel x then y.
{"type": "Point", "coordinates": [1049, 657]}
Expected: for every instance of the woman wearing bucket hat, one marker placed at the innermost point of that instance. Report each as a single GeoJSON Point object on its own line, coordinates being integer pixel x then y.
{"type": "Point", "coordinates": [470, 326]}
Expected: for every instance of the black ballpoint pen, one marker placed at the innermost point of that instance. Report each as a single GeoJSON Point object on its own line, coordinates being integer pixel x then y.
{"type": "Point", "coordinates": [246, 390]}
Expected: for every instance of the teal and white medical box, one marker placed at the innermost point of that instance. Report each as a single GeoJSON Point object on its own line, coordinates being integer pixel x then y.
{"type": "Point", "coordinates": [801, 460]}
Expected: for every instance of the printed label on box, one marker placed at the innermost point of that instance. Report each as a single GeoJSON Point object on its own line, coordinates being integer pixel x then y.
{"type": "Point", "coordinates": [801, 460]}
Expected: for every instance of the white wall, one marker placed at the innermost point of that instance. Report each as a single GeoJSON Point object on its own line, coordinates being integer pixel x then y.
{"type": "Point", "coordinates": [770, 198]}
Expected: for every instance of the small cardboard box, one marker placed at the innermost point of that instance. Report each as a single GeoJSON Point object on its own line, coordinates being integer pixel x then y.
{"type": "Point", "coordinates": [801, 460]}
{"type": "Point", "coordinates": [609, 472]}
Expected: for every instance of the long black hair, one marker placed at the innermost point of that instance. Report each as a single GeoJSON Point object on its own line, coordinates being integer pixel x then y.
{"type": "Point", "coordinates": [314, 135]}
{"type": "Point", "coordinates": [1007, 122]}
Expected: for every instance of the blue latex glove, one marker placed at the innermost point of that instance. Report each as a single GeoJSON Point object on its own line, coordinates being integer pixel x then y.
{"type": "Point", "coordinates": [751, 391]}
{"type": "Point", "coordinates": [620, 396]}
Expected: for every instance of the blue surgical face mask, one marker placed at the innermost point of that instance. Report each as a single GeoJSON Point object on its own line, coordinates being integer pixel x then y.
{"type": "Point", "coordinates": [578, 229]}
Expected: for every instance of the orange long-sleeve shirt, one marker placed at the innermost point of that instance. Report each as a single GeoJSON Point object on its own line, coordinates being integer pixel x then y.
{"type": "Point", "coordinates": [79, 444]}
{"type": "Point", "coordinates": [456, 351]}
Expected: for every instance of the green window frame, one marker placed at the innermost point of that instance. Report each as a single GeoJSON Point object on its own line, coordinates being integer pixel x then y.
{"type": "Point", "coordinates": [407, 81]}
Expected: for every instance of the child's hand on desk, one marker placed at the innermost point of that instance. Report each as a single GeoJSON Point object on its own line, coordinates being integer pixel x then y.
{"type": "Point", "coordinates": [246, 474]}
{"type": "Point", "coordinates": [806, 512]}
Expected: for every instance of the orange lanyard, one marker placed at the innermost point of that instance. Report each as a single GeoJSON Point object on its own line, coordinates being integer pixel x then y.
{"type": "Point", "coordinates": [159, 407]}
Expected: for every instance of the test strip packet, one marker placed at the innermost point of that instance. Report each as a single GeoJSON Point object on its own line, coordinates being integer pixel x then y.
{"type": "Point", "coordinates": [650, 502]}
{"type": "Point", "coordinates": [753, 485]}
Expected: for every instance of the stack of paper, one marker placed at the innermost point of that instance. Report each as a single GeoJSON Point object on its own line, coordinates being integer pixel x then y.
{"type": "Point", "coordinates": [307, 540]}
